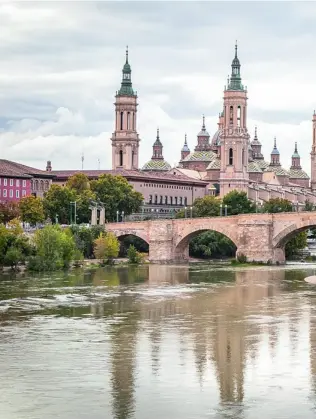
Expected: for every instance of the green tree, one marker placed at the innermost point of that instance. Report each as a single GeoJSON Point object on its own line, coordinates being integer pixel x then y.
{"type": "Point", "coordinates": [106, 247]}
{"type": "Point", "coordinates": [238, 203]}
{"type": "Point", "coordinates": [209, 206]}
{"type": "Point", "coordinates": [117, 195]}
{"type": "Point", "coordinates": [14, 245]}
{"type": "Point", "coordinates": [57, 202]}
{"type": "Point", "coordinates": [309, 206]}
{"type": "Point", "coordinates": [55, 249]}
{"type": "Point", "coordinates": [133, 255]}
{"type": "Point", "coordinates": [13, 257]}
{"type": "Point", "coordinates": [31, 209]}
{"type": "Point", "coordinates": [85, 236]}
{"type": "Point", "coordinates": [79, 182]}
{"type": "Point", "coordinates": [8, 211]}
{"type": "Point", "coordinates": [211, 244]}
{"type": "Point", "coordinates": [83, 205]}
{"type": "Point", "coordinates": [275, 205]}
{"type": "Point", "coordinates": [298, 242]}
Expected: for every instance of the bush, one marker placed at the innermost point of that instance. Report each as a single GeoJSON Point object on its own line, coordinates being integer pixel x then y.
{"type": "Point", "coordinates": [13, 257]}
{"type": "Point", "coordinates": [133, 255]}
{"type": "Point", "coordinates": [106, 247]}
{"type": "Point", "coordinates": [241, 258]}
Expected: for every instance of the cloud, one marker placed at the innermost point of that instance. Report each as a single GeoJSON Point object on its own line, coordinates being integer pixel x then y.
{"type": "Point", "coordinates": [61, 66]}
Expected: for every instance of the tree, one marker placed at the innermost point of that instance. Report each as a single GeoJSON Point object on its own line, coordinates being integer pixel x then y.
{"type": "Point", "coordinates": [298, 242]}
{"type": "Point", "coordinates": [8, 211]}
{"type": "Point", "coordinates": [106, 247]}
{"type": "Point", "coordinates": [275, 205]}
{"type": "Point", "coordinates": [79, 182]}
{"type": "Point", "coordinates": [14, 245]}
{"type": "Point", "coordinates": [55, 249]}
{"type": "Point", "coordinates": [211, 244]}
{"type": "Point", "coordinates": [309, 206]}
{"type": "Point", "coordinates": [133, 255]}
{"type": "Point", "coordinates": [83, 205]}
{"type": "Point", "coordinates": [117, 195]}
{"type": "Point", "coordinates": [209, 206]}
{"type": "Point", "coordinates": [57, 203]}
{"type": "Point", "coordinates": [238, 203]}
{"type": "Point", "coordinates": [84, 238]}
{"type": "Point", "coordinates": [31, 209]}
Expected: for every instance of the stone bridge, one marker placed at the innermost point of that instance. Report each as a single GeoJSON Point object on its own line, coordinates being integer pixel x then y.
{"type": "Point", "coordinates": [260, 237]}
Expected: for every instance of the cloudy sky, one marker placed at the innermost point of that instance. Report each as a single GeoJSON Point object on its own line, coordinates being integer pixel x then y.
{"type": "Point", "coordinates": [60, 65]}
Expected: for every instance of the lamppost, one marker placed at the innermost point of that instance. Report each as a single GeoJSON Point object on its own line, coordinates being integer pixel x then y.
{"type": "Point", "coordinates": [191, 211]}
{"type": "Point", "coordinates": [75, 205]}
{"type": "Point", "coordinates": [185, 212]}
{"type": "Point", "coordinates": [117, 216]}
{"type": "Point", "coordinates": [225, 210]}
{"type": "Point", "coordinates": [122, 216]}
{"type": "Point", "coordinates": [220, 210]}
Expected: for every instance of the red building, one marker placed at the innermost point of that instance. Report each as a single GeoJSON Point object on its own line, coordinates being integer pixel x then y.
{"type": "Point", "coordinates": [18, 180]}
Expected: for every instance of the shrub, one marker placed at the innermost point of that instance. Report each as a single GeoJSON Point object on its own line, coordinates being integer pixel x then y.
{"type": "Point", "coordinates": [241, 258]}
{"type": "Point", "coordinates": [106, 247]}
{"type": "Point", "coordinates": [13, 257]}
{"type": "Point", "coordinates": [133, 255]}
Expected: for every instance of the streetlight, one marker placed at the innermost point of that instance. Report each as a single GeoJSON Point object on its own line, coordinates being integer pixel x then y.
{"type": "Point", "coordinates": [191, 210]}
{"type": "Point", "coordinates": [122, 216]}
{"type": "Point", "coordinates": [75, 205]}
{"type": "Point", "coordinates": [225, 210]}
{"type": "Point", "coordinates": [117, 216]}
{"type": "Point", "coordinates": [185, 212]}
{"type": "Point", "coordinates": [220, 210]}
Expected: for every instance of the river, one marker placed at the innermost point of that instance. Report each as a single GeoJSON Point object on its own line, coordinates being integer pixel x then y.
{"type": "Point", "coordinates": [152, 342]}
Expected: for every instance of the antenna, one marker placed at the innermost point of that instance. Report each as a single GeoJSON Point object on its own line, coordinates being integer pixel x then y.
{"type": "Point", "coordinates": [98, 164]}
{"type": "Point", "coordinates": [82, 160]}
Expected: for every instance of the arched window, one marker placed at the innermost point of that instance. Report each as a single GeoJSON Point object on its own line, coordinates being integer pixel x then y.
{"type": "Point", "coordinates": [128, 120]}
{"type": "Point", "coordinates": [238, 116]}
{"type": "Point", "coordinates": [121, 157]}
{"type": "Point", "coordinates": [231, 115]}
{"type": "Point", "coordinates": [133, 156]}
{"type": "Point", "coordinates": [121, 121]}
{"type": "Point", "coordinates": [243, 156]}
{"type": "Point", "coordinates": [231, 157]}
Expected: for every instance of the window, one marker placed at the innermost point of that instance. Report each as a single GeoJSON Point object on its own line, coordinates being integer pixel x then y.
{"type": "Point", "coordinates": [5, 182]}
{"type": "Point", "coordinates": [231, 160]}
{"type": "Point", "coordinates": [121, 121]}
{"type": "Point", "coordinates": [11, 193]}
{"type": "Point", "coordinates": [17, 182]}
{"type": "Point", "coordinates": [24, 183]}
{"type": "Point", "coordinates": [128, 120]}
{"type": "Point", "coordinates": [176, 200]}
{"type": "Point", "coordinates": [132, 158]}
{"type": "Point", "coordinates": [160, 200]}
{"type": "Point", "coordinates": [171, 200]}
{"type": "Point", "coordinates": [17, 194]}
{"type": "Point", "coordinates": [238, 116]}
{"type": "Point", "coordinates": [11, 182]}
{"type": "Point", "coordinates": [121, 157]}
{"type": "Point", "coordinates": [156, 199]}
{"type": "Point", "coordinates": [231, 115]}
{"type": "Point", "coordinates": [24, 192]}
{"type": "Point", "coordinates": [4, 193]}
{"type": "Point", "coordinates": [185, 201]}
{"type": "Point", "coordinates": [166, 200]}
{"type": "Point", "coordinates": [180, 200]}
{"type": "Point", "coordinates": [150, 199]}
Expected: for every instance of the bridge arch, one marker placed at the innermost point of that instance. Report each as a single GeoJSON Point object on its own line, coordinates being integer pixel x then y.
{"type": "Point", "coordinates": [280, 240]}
{"type": "Point", "coordinates": [122, 234]}
{"type": "Point", "coordinates": [182, 244]}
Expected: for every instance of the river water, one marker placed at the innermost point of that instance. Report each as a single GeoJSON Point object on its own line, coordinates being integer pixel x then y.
{"type": "Point", "coordinates": [155, 342]}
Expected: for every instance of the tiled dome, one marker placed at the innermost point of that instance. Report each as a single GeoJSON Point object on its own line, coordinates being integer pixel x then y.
{"type": "Point", "coordinates": [201, 156]}
{"type": "Point", "coordinates": [157, 165]}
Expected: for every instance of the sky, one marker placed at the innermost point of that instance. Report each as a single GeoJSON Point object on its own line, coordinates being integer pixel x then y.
{"type": "Point", "coordinates": [61, 64]}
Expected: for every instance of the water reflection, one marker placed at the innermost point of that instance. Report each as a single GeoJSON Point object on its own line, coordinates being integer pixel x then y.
{"type": "Point", "coordinates": [179, 342]}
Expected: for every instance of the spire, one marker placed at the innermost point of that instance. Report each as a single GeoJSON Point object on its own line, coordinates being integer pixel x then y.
{"type": "Point", "coordinates": [126, 85]}
{"type": "Point", "coordinates": [275, 155]}
{"type": "Point", "coordinates": [255, 137]}
{"type": "Point", "coordinates": [157, 142]}
{"type": "Point", "coordinates": [203, 124]}
{"type": "Point", "coordinates": [157, 148]}
{"type": "Point", "coordinates": [185, 147]}
{"type": "Point", "coordinates": [235, 79]}
{"type": "Point", "coordinates": [296, 160]}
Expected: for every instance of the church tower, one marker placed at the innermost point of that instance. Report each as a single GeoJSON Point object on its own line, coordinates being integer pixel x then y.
{"type": "Point", "coordinates": [125, 140]}
{"type": "Point", "coordinates": [313, 155]}
{"type": "Point", "coordinates": [234, 137]}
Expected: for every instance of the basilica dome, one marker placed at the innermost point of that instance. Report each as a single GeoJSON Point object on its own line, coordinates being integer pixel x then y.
{"type": "Point", "coordinates": [156, 165]}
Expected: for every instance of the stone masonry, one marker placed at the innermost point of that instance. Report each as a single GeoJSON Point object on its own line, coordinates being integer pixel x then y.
{"type": "Point", "coordinates": [260, 237]}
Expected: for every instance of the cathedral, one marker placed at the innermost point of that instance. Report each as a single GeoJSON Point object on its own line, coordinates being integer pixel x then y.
{"type": "Point", "coordinates": [229, 160]}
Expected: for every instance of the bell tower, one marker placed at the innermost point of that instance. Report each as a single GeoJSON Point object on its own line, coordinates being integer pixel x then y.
{"type": "Point", "coordinates": [234, 137]}
{"type": "Point", "coordinates": [313, 156]}
{"type": "Point", "coordinates": [125, 140]}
